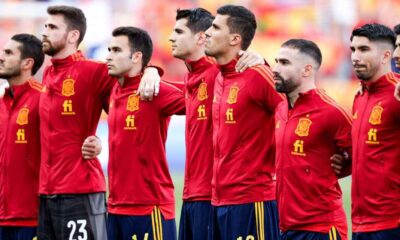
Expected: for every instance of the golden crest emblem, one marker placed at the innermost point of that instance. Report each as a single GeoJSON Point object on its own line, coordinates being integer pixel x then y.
{"type": "Point", "coordinates": [376, 115]}
{"type": "Point", "coordinates": [233, 93]}
{"type": "Point", "coordinates": [303, 127]}
{"type": "Point", "coordinates": [22, 118]}
{"type": "Point", "coordinates": [68, 87]}
{"type": "Point", "coordinates": [132, 103]}
{"type": "Point", "coordinates": [202, 92]}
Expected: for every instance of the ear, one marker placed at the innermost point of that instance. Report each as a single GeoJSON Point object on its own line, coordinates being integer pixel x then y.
{"type": "Point", "coordinates": [308, 70]}
{"type": "Point", "coordinates": [235, 39]}
{"type": "Point", "coordinates": [201, 38]}
{"type": "Point", "coordinates": [137, 57]}
{"type": "Point", "coordinates": [27, 64]}
{"type": "Point", "coordinates": [73, 36]}
{"type": "Point", "coordinates": [386, 57]}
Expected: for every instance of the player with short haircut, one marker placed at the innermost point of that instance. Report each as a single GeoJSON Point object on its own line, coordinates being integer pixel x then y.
{"type": "Point", "coordinates": [396, 56]}
{"type": "Point", "coordinates": [20, 59]}
{"type": "Point", "coordinates": [243, 184]}
{"type": "Point", "coordinates": [188, 43]}
{"type": "Point", "coordinates": [310, 128]}
{"type": "Point", "coordinates": [71, 186]}
{"type": "Point", "coordinates": [141, 204]}
{"type": "Point", "coordinates": [375, 136]}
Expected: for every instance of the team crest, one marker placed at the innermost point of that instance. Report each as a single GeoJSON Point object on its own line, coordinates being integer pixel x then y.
{"type": "Point", "coordinates": [233, 93]}
{"type": "Point", "coordinates": [68, 87]}
{"type": "Point", "coordinates": [202, 92]}
{"type": "Point", "coordinates": [376, 115]}
{"type": "Point", "coordinates": [22, 118]}
{"type": "Point", "coordinates": [133, 103]}
{"type": "Point", "coordinates": [303, 127]}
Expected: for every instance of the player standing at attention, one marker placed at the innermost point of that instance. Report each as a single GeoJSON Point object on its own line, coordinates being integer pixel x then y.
{"type": "Point", "coordinates": [72, 188]}
{"type": "Point", "coordinates": [141, 204]}
{"type": "Point", "coordinates": [20, 59]}
{"type": "Point", "coordinates": [375, 136]}
{"type": "Point", "coordinates": [188, 43]}
{"type": "Point", "coordinates": [310, 128]}
{"type": "Point", "coordinates": [243, 184]}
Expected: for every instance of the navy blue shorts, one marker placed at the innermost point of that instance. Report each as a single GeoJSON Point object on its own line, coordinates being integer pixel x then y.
{"type": "Point", "coordinates": [245, 222]}
{"type": "Point", "coordinates": [195, 218]}
{"type": "Point", "coordinates": [17, 233]}
{"type": "Point", "coordinates": [148, 227]}
{"type": "Point", "coordinates": [333, 234]}
{"type": "Point", "coordinates": [388, 234]}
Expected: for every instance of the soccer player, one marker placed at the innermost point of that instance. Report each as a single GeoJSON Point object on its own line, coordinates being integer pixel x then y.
{"type": "Point", "coordinates": [375, 136]}
{"type": "Point", "coordinates": [310, 128]}
{"type": "Point", "coordinates": [243, 184]}
{"type": "Point", "coordinates": [141, 203]}
{"type": "Point", "coordinates": [72, 187]}
{"type": "Point", "coordinates": [188, 43]}
{"type": "Point", "coordinates": [20, 59]}
{"type": "Point", "coordinates": [396, 56]}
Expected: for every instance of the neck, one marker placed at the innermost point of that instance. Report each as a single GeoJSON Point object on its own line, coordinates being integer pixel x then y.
{"type": "Point", "coordinates": [65, 52]}
{"type": "Point", "coordinates": [19, 80]}
{"type": "Point", "coordinates": [303, 88]}
{"type": "Point", "coordinates": [135, 70]}
{"type": "Point", "coordinates": [381, 72]}
{"type": "Point", "coordinates": [226, 57]}
{"type": "Point", "coordinates": [196, 55]}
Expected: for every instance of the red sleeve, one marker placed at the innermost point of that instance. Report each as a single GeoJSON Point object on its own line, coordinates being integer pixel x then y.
{"type": "Point", "coordinates": [262, 88]}
{"type": "Point", "coordinates": [104, 84]}
{"type": "Point", "coordinates": [172, 100]}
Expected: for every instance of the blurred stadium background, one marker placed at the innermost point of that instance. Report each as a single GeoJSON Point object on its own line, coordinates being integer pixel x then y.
{"type": "Point", "coordinates": [327, 22]}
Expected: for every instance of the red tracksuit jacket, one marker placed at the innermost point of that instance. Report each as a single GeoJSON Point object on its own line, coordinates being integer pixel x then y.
{"type": "Point", "coordinates": [138, 172]}
{"type": "Point", "coordinates": [19, 154]}
{"type": "Point", "coordinates": [199, 89]}
{"type": "Point", "coordinates": [307, 135]}
{"type": "Point", "coordinates": [376, 157]}
{"type": "Point", "coordinates": [243, 136]}
{"type": "Point", "coordinates": [70, 108]}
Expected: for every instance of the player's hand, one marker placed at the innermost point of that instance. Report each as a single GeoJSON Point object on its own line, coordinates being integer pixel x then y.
{"type": "Point", "coordinates": [338, 163]}
{"type": "Point", "coordinates": [397, 92]}
{"type": "Point", "coordinates": [248, 59]}
{"type": "Point", "coordinates": [149, 84]}
{"type": "Point", "coordinates": [91, 147]}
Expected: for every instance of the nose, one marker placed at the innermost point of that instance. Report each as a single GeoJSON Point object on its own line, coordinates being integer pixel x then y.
{"type": "Point", "coordinates": [208, 32]}
{"type": "Point", "coordinates": [171, 38]}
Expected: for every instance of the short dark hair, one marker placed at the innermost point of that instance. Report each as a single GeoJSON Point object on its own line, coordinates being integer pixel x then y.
{"type": "Point", "coordinates": [397, 29]}
{"type": "Point", "coordinates": [306, 47]}
{"type": "Point", "coordinates": [198, 19]}
{"type": "Point", "coordinates": [241, 21]}
{"type": "Point", "coordinates": [139, 40]}
{"type": "Point", "coordinates": [31, 47]}
{"type": "Point", "coordinates": [375, 33]}
{"type": "Point", "coordinates": [74, 18]}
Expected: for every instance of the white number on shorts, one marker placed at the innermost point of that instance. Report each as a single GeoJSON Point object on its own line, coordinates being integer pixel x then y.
{"type": "Point", "coordinates": [82, 229]}
{"type": "Point", "coordinates": [146, 236]}
{"type": "Point", "coordinates": [249, 237]}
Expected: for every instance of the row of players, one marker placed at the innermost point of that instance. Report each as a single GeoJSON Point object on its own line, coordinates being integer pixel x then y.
{"type": "Point", "coordinates": [245, 123]}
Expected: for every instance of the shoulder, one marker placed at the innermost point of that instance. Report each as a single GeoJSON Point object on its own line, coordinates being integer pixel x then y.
{"type": "Point", "coordinates": [334, 110]}
{"type": "Point", "coordinates": [168, 87]}
{"type": "Point", "coordinates": [36, 86]}
{"type": "Point", "coordinates": [262, 73]}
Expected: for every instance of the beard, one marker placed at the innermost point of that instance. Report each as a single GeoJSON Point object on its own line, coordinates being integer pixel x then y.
{"type": "Point", "coordinates": [13, 72]}
{"type": "Point", "coordinates": [366, 74]}
{"type": "Point", "coordinates": [52, 49]}
{"type": "Point", "coordinates": [285, 85]}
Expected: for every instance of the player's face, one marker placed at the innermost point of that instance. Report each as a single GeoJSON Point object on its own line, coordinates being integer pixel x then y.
{"type": "Point", "coordinates": [183, 41]}
{"type": "Point", "coordinates": [218, 36]}
{"type": "Point", "coordinates": [396, 53]}
{"type": "Point", "coordinates": [119, 58]}
{"type": "Point", "coordinates": [365, 57]}
{"type": "Point", "coordinates": [287, 71]}
{"type": "Point", "coordinates": [54, 36]}
{"type": "Point", "coordinates": [10, 60]}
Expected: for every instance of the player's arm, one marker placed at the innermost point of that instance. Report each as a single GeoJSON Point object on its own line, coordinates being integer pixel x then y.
{"type": "Point", "coordinates": [341, 164]}
{"type": "Point", "coordinates": [249, 59]}
{"type": "Point", "coordinates": [397, 92]}
{"type": "Point", "coordinates": [150, 83]}
{"type": "Point", "coordinates": [91, 147]}
{"type": "Point", "coordinates": [173, 102]}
